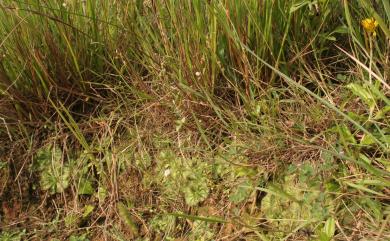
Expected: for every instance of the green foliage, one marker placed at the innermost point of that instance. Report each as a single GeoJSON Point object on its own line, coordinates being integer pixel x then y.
{"type": "Point", "coordinates": [163, 223]}
{"type": "Point", "coordinates": [230, 166]}
{"type": "Point", "coordinates": [313, 205]}
{"type": "Point", "coordinates": [195, 191]}
{"type": "Point", "coordinates": [328, 231]}
{"type": "Point", "coordinates": [85, 187]}
{"type": "Point", "coordinates": [82, 237]}
{"type": "Point", "coordinates": [54, 175]}
{"type": "Point", "coordinates": [201, 231]}
{"type": "Point", "coordinates": [88, 209]}
{"type": "Point", "coordinates": [57, 172]}
{"type": "Point", "coordinates": [365, 95]}
{"type": "Point", "coordinates": [3, 165]}
{"type": "Point", "coordinates": [179, 176]}
{"type": "Point", "coordinates": [241, 192]}
{"type": "Point", "coordinates": [202, 103]}
{"type": "Point", "coordinates": [101, 194]}
{"type": "Point", "coordinates": [73, 220]}
{"type": "Point", "coordinates": [12, 235]}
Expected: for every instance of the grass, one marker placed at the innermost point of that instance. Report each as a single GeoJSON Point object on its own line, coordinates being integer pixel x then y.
{"type": "Point", "coordinates": [194, 120]}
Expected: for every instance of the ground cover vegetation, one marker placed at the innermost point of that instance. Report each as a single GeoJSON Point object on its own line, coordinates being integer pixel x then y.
{"type": "Point", "coordinates": [194, 120]}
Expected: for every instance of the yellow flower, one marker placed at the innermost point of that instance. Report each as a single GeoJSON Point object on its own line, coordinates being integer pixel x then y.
{"type": "Point", "coordinates": [370, 24]}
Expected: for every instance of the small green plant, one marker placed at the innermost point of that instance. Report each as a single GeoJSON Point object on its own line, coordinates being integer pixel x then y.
{"type": "Point", "coordinates": [298, 202]}
{"type": "Point", "coordinates": [82, 237]}
{"type": "Point", "coordinates": [73, 220]}
{"type": "Point", "coordinates": [201, 231]}
{"type": "Point", "coordinates": [54, 173]}
{"type": "Point", "coordinates": [179, 176]}
{"type": "Point", "coordinates": [165, 224]}
{"type": "Point", "coordinates": [3, 165]}
{"type": "Point", "coordinates": [12, 235]}
{"type": "Point", "coordinates": [328, 230]}
{"type": "Point", "coordinates": [241, 180]}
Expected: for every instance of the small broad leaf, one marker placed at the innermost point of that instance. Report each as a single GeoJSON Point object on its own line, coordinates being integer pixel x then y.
{"type": "Point", "coordinates": [327, 232]}
{"type": "Point", "coordinates": [88, 209]}
{"type": "Point", "coordinates": [366, 96]}
{"type": "Point", "coordinates": [324, 237]}
{"type": "Point", "coordinates": [331, 38]}
{"type": "Point", "coordinates": [341, 77]}
{"type": "Point", "coordinates": [101, 194]}
{"type": "Point", "coordinates": [48, 182]}
{"type": "Point", "coordinates": [63, 179]}
{"type": "Point", "coordinates": [71, 220]}
{"type": "Point", "coordinates": [367, 140]}
{"type": "Point", "coordinates": [195, 192]}
{"type": "Point", "coordinates": [329, 227]}
{"type": "Point", "coordinates": [241, 192]}
{"type": "Point", "coordinates": [85, 187]}
{"type": "Point", "coordinates": [346, 135]}
{"type": "Point", "coordinates": [55, 181]}
{"type": "Point", "coordinates": [3, 164]}
{"type": "Point", "coordinates": [341, 29]}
